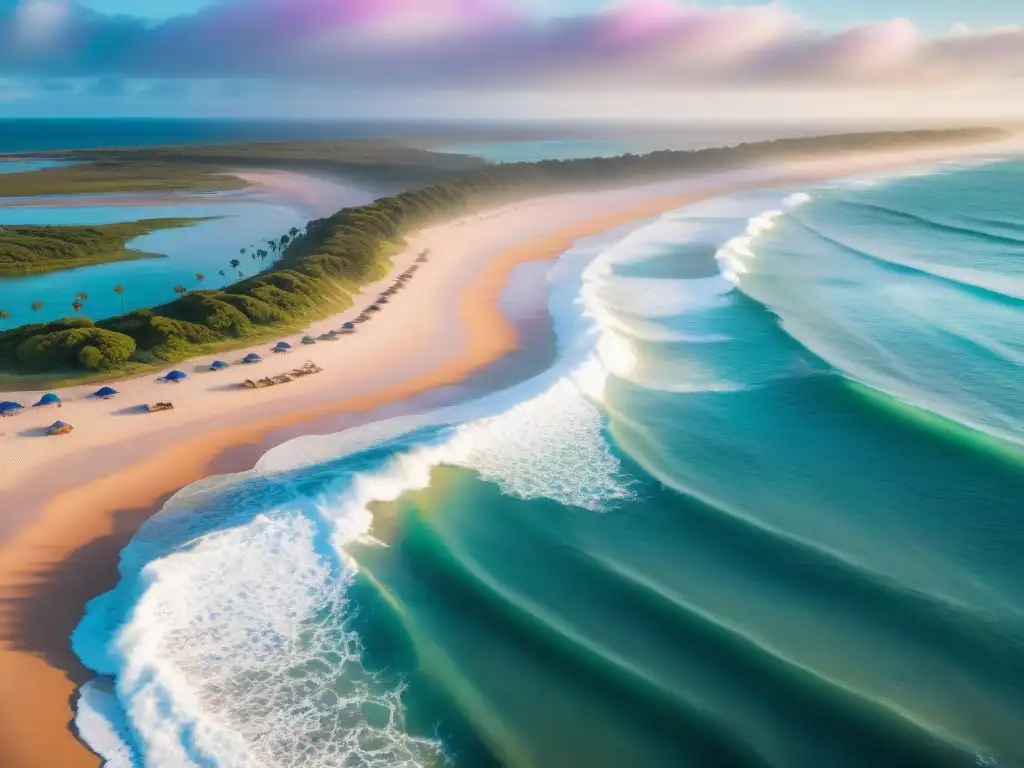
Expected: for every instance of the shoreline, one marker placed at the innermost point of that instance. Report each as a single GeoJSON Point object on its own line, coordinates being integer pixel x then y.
{"type": "Point", "coordinates": [62, 548]}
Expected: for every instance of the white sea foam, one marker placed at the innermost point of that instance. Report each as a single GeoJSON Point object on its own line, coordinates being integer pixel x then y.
{"type": "Point", "coordinates": [229, 636]}
{"type": "Point", "coordinates": [97, 717]}
{"type": "Point", "coordinates": [736, 255]}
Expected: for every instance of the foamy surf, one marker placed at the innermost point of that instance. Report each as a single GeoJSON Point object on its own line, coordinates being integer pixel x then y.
{"type": "Point", "coordinates": [227, 641]}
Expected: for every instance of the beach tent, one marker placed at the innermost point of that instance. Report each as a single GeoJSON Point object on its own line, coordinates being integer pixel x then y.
{"type": "Point", "coordinates": [282, 346]}
{"type": "Point", "coordinates": [175, 376]}
{"type": "Point", "coordinates": [308, 340]}
{"type": "Point", "coordinates": [218, 365]}
{"type": "Point", "coordinates": [252, 357]}
{"type": "Point", "coordinates": [60, 428]}
{"type": "Point", "coordinates": [47, 399]}
{"type": "Point", "coordinates": [10, 408]}
{"type": "Point", "coordinates": [105, 392]}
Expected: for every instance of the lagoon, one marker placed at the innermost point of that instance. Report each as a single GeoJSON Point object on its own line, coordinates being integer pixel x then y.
{"type": "Point", "coordinates": [205, 248]}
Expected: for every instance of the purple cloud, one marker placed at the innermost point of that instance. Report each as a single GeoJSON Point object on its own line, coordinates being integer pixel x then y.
{"type": "Point", "coordinates": [466, 44]}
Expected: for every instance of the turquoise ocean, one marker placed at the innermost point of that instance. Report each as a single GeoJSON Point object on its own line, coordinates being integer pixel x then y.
{"type": "Point", "coordinates": [762, 507]}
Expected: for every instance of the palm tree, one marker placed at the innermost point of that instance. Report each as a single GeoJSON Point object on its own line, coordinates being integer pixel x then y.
{"type": "Point", "coordinates": [180, 289]}
{"type": "Point", "coordinates": [4, 315]}
{"type": "Point", "coordinates": [293, 232]}
{"type": "Point", "coordinates": [119, 290]}
{"type": "Point", "coordinates": [81, 295]}
{"type": "Point", "coordinates": [236, 262]}
{"type": "Point", "coordinates": [200, 277]}
{"type": "Point", "coordinates": [36, 306]}
{"type": "Point", "coordinates": [284, 240]}
{"type": "Point", "coordinates": [76, 305]}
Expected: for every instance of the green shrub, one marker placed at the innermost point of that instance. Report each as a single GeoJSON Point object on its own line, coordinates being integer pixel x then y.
{"type": "Point", "coordinates": [91, 358]}
{"type": "Point", "coordinates": [92, 348]}
{"type": "Point", "coordinates": [209, 311]}
{"type": "Point", "coordinates": [258, 312]}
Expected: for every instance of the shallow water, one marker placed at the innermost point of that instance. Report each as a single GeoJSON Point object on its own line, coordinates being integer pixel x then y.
{"type": "Point", "coordinates": [25, 166]}
{"type": "Point", "coordinates": [207, 248]}
{"type": "Point", "coordinates": [763, 510]}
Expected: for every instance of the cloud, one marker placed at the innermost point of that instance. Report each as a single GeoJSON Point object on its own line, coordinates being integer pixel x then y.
{"type": "Point", "coordinates": [651, 45]}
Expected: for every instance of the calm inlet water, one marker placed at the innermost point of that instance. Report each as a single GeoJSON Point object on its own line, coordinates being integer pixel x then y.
{"type": "Point", "coordinates": [207, 248]}
{"type": "Point", "coordinates": [765, 509]}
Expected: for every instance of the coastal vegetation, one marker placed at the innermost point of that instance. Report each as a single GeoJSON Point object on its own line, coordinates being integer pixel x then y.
{"type": "Point", "coordinates": [209, 168]}
{"type": "Point", "coordinates": [30, 249]}
{"type": "Point", "coordinates": [321, 268]}
{"type": "Point", "coordinates": [109, 177]}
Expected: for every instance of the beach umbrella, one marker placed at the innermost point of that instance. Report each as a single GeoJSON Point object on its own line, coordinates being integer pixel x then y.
{"type": "Point", "coordinates": [176, 376]}
{"type": "Point", "coordinates": [349, 326]}
{"type": "Point", "coordinates": [282, 346]}
{"type": "Point", "coordinates": [47, 399]}
{"type": "Point", "coordinates": [218, 365]}
{"type": "Point", "coordinates": [9, 408]}
{"type": "Point", "coordinates": [60, 428]}
{"type": "Point", "coordinates": [105, 392]}
{"type": "Point", "coordinates": [252, 357]}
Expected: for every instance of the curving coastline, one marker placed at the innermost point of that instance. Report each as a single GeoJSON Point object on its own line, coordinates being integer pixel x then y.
{"type": "Point", "coordinates": [60, 546]}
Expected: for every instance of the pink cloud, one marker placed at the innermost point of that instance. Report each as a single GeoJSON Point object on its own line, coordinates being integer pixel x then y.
{"type": "Point", "coordinates": [466, 44]}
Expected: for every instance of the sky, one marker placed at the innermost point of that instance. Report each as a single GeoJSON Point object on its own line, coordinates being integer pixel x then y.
{"type": "Point", "coordinates": [750, 60]}
{"type": "Point", "coordinates": [932, 15]}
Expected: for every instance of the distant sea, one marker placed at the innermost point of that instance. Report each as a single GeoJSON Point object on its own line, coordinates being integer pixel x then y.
{"type": "Point", "coordinates": [766, 508]}
{"type": "Point", "coordinates": [553, 140]}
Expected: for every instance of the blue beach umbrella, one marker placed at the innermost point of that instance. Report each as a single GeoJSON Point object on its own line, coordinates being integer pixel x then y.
{"type": "Point", "coordinates": [252, 357]}
{"type": "Point", "coordinates": [175, 376]}
{"type": "Point", "coordinates": [282, 346]}
{"type": "Point", "coordinates": [47, 399]}
{"type": "Point", "coordinates": [349, 326]}
{"type": "Point", "coordinates": [9, 408]}
{"type": "Point", "coordinates": [104, 392]}
{"type": "Point", "coordinates": [218, 365]}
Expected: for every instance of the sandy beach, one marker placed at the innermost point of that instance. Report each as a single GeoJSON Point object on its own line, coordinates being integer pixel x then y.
{"type": "Point", "coordinates": [71, 503]}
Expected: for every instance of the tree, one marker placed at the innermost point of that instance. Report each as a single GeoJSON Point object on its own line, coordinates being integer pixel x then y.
{"type": "Point", "coordinates": [284, 241]}
{"type": "Point", "coordinates": [236, 262]}
{"type": "Point", "coordinates": [76, 305]}
{"type": "Point", "coordinates": [81, 295]}
{"type": "Point", "coordinates": [119, 290]}
{"type": "Point", "coordinates": [180, 289]}
{"type": "Point", "coordinates": [4, 315]}
{"type": "Point", "coordinates": [36, 306]}
{"type": "Point", "coordinates": [200, 277]}
{"type": "Point", "coordinates": [293, 231]}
